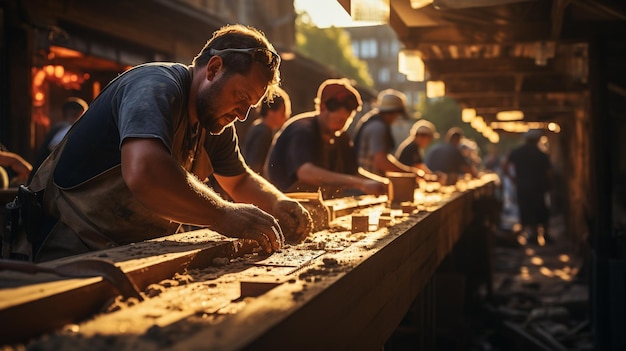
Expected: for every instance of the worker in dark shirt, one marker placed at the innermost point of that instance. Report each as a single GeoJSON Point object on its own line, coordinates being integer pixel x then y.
{"type": "Point", "coordinates": [313, 151]}
{"type": "Point", "coordinates": [273, 114]}
{"type": "Point", "coordinates": [446, 158]}
{"type": "Point", "coordinates": [531, 171]}
{"type": "Point", "coordinates": [134, 166]}
{"type": "Point", "coordinates": [411, 151]}
{"type": "Point", "coordinates": [71, 110]}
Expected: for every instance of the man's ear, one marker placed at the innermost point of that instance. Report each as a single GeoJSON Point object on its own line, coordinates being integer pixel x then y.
{"type": "Point", "coordinates": [213, 67]}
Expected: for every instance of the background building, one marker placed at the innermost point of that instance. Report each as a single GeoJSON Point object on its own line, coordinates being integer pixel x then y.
{"type": "Point", "coordinates": [50, 50]}
{"type": "Point", "coordinates": [378, 46]}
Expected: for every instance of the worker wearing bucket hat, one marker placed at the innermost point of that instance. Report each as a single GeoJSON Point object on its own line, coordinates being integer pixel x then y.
{"type": "Point", "coordinates": [373, 140]}
{"type": "Point", "coordinates": [446, 158]}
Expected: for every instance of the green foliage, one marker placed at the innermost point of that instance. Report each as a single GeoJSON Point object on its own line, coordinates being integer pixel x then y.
{"type": "Point", "coordinates": [331, 47]}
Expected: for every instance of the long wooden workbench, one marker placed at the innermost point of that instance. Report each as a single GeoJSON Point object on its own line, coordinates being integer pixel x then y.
{"type": "Point", "coordinates": [338, 290]}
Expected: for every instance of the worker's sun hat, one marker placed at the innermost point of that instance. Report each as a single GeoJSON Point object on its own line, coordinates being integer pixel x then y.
{"type": "Point", "coordinates": [391, 100]}
{"type": "Point", "coordinates": [424, 127]}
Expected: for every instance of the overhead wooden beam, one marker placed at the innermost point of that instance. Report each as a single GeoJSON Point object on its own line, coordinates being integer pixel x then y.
{"type": "Point", "coordinates": [525, 96]}
{"type": "Point", "coordinates": [528, 109]}
{"type": "Point", "coordinates": [486, 66]}
{"type": "Point", "coordinates": [464, 35]}
{"type": "Point", "coordinates": [615, 9]}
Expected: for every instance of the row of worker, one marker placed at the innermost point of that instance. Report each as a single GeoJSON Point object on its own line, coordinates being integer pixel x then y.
{"type": "Point", "coordinates": [314, 150]}
{"type": "Point", "coordinates": [137, 165]}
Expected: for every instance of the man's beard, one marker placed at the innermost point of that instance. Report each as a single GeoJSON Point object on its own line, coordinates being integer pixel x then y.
{"type": "Point", "coordinates": [206, 107]}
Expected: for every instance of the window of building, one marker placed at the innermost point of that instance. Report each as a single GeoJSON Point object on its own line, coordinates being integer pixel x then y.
{"type": "Point", "coordinates": [394, 48]}
{"type": "Point", "coordinates": [384, 75]}
{"type": "Point", "coordinates": [384, 49]}
{"type": "Point", "coordinates": [369, 48]}
{"type": "Point", "coordinates": [355, 49]}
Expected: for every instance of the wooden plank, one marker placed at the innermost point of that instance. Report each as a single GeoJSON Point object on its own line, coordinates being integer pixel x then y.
{"type": "Point", "coordinates": [345, 206]}
{"type": "Point", "coordinates": [350, 298]}
{"type": "Point", "coordinates": [357, 308]}
{"type": "Point", "coordinates": [58, 301]}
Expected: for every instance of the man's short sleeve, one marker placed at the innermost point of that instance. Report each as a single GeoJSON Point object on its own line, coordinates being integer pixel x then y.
{"type": "Point", "coordinates": [223, 151]}
{"type": "Point", "coordinates": [146, 108]}
{"type": "Point", "coordinates": [296, 145]}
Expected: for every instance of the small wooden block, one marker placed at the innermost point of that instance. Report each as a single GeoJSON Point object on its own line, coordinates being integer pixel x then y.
{"type": "Point", "coordinates": [408, 207]}
{"type": "Point", "coordinates": [384, 221]}
{"type": "Point", "coordinates": [360, 223]}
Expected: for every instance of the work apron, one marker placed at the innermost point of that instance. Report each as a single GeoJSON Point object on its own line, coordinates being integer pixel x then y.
{"type": "Point", "coordinates": [102, 212]}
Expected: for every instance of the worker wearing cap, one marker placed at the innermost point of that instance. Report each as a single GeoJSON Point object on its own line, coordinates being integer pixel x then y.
{"type": "Point", "coordinates": [313, 151]}
{"type": "Point", "coordinates": [374, 143]}
{"type": "Point", "coordinates": [411, 151]}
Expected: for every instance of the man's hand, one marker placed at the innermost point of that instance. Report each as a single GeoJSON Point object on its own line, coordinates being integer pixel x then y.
{"type": "Point", "coordinates": [430, 177]}
{"type": "Point", "coordinates": [250, 222]}
{"type": "Point", "coordinates": [374, 187]}
{"type": "Point", "coordinates": [294, 219]}
{"type": "Point", "coordinates": [17, 164]}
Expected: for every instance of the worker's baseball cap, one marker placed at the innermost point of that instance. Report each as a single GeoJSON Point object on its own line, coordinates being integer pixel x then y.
{"type": "Point", "coordinates": [335, 93]}
{"type": "Point", "coordinates": [454, 131]}
{"type": "Point", "coordinates": [424, 127]}
{"type": "Point", "coordinates": [390, 100]}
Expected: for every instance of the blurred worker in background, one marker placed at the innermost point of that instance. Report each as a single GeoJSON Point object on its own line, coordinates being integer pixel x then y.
{"type": "Point", "coordinates": [133, 166]}
{"type": "Point", "coordinates": [448, 159]}
{"type": "Point", "coordinates": [471, 153]}
{"type": "Point", "coordinates": [532, 176]}
{"type": "Point", "coordinates": [71, 110]}
{"type": "Point", "coordinates": [273, 114]}
{"type": "Point", "coordinates": [373, 141]}
{"type": "Point", "coordinates": [411, 151]}
{"type": "Point", "coordinates": [313, 150]}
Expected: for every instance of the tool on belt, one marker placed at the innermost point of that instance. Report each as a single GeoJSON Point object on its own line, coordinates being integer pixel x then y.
{"type": "Point", "coordinates": [23, 214]}
{"type": "Point", "coordinates": [84, 268]}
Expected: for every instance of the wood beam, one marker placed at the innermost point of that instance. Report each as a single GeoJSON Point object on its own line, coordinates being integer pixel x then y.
{"type": "Point", "coordinates": [487, 66]}
{"type": "Point", "coordinates": [464, 35]}
{"type": "Point", "coordinates": [57, 301]}
{"type": "Point", "coordinates": [538, 96]}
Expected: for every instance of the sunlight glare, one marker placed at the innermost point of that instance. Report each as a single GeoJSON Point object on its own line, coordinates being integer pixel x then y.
{"type": "Point", "coordinates": [326, 13]}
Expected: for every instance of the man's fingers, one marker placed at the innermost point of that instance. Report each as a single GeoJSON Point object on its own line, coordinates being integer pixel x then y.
{"type": "Point", "coordinates": [306, 226]}
{"type": "Point", "coordinates": [262, 239]}
{"type": "Point", "coordinates": [270, 239]}
{"type": "Point", "coordinates": [280, 237]}
{"type": "Point", "coordinates": [267, 243]}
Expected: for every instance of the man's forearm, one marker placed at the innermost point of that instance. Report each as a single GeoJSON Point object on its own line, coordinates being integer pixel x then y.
{"type": "Point", "coordinates": [250, 187]}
